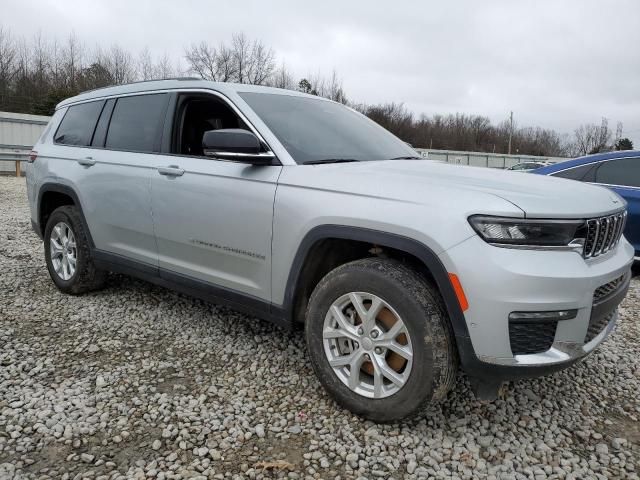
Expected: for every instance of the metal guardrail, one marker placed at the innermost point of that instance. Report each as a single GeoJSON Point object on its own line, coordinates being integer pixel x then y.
{"type": "Point", "coordinates": [483, 159]}
{"type": "Point", "coordinates": [16, 156]}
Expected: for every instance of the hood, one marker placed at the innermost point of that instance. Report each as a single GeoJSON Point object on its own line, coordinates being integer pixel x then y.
{"type": "Point", "coordinates": [419, 180]}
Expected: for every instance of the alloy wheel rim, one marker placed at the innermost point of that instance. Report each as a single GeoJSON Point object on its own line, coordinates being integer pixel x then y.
{"type": "Point", "coordinates": [367, 345]}
{"type": "Point", "coordinates": [63, 249]}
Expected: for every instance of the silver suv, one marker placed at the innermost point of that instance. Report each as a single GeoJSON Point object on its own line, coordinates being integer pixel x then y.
{"type": "Point", "coordinates": [301, 211]}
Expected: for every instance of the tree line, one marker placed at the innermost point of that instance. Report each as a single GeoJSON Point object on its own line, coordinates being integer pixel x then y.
{"type": "Point", "coordinates": [38, 73]}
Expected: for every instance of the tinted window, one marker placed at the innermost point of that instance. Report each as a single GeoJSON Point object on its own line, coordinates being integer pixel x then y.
{"type": "Point", "coordinates": [78, 124]}
{"type": "Point", "coordinates": [135, 123]}
{"type": "Point", "coordinates": [101, 128]}
{"type": "Point", "coordinates": [577, 173]}
{"type": "Point", "coordinates": [314, 129]}
{"type": "Point", "coordinates": [625, 171]}
{"type": "Point", "coordinates": [197, 114]}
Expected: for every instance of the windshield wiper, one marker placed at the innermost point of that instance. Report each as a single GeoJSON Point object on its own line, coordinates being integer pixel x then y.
{"type": "Point", "coordinates": [330, 160]}
{"type": "Point", "coordinates": [406, 158]}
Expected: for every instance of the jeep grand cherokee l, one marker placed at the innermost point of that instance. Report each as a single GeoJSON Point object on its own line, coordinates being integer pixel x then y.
{"type": "Point", "coordinates": [300, 210]}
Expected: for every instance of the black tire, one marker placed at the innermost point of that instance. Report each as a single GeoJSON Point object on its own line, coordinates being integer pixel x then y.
{"type": "Point", "coordinates": [87, 276]}
{"type": "Point", "coordinates": [418, 303]}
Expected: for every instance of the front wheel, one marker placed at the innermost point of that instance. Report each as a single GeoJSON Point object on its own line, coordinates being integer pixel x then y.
{"type": "Point", "coordinates": [379, 339]}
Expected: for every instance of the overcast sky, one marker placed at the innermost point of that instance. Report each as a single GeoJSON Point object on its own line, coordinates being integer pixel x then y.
{"type": "Point", "coordinates": [556, 64]}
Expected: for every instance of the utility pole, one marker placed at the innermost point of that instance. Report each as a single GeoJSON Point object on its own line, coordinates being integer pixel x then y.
{"type": "Point", "coordinates": [510, 130]}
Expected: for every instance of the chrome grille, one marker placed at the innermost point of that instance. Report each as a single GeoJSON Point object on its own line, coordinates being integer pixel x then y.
{"type": "Point", "coordinates": [603, 234]}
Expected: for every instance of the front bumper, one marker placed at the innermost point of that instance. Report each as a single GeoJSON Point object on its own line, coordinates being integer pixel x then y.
{"type": "Point", "coordinates": [498, 281]}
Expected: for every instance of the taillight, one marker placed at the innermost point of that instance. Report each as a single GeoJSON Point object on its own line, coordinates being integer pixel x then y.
{"type": "Point", "coordinates": [32, 156]}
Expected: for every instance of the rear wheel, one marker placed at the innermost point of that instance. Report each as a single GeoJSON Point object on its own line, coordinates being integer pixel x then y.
{"type": "Point", "coordinates": [67, 253]}
{"type": "Point", "coordinates": [379, 339]}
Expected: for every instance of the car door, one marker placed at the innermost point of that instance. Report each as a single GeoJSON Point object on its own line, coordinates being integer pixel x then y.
{"type": "Point", "coordinates": [212, 218]}
{"type": "Point", "coordinates": [113, 174]}
{"type": "Point", "coordinates": [623, 176]}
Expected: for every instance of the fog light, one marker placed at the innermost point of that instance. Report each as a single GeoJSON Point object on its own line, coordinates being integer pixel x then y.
{"type": "Point", "coordinates": [543, 316]}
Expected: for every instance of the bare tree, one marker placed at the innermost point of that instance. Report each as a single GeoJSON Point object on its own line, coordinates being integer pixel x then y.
{"type": "Point", "coordinates": [260, 64]}
{"type": "Point", "coordinates": [40, 62]}
{"type": "Point", "coordinates": [243, 61]}
{"type": "Point", "coordinates": [119, 63]}
{"type": "Point", "coordinates": [282, 78]}
{"type": "Point", "coordinates": [335, 91]}
{"type": "Point", "coordinates": [146, 68]}
{"type": "Point", "coordinates": [317, 84]}
{"type": "Point", "coordinates": [72, 61]}
{"type": "Point", "coordinates": [8, 54]}
{"type": "Point", "coordinates": [203, 60]}
{"type": "Point", "coordinates": [240, 52]}
{"type": "Point", "coordinates": [163, 68]}
{"type": "Point", "coordinates": [591, 138]}
{"type": "Point", "coordinates": [211, 63]}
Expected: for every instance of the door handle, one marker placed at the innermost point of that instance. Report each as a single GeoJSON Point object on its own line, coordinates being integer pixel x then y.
{"type": "Point", "coordinates": [87, 161]}
{"type": "Point", "coordinates": [171, 171]}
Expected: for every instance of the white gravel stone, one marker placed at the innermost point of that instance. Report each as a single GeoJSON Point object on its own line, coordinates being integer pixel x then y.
{"type": "Point", "coordinates": [87, 458]}
{"type": "Point", "coordinates": [135, 381]}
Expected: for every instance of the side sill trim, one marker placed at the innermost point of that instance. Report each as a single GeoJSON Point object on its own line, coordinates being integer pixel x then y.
{"type": "Point", "coordinates": [190, 286]}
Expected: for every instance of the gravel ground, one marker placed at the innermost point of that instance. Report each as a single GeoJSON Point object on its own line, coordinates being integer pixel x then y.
{"type": "Point", "coordinates": [138, 382]}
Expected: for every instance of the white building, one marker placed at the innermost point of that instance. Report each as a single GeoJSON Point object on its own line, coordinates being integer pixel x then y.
{"type": "Point", "coordinates": [18, 133]}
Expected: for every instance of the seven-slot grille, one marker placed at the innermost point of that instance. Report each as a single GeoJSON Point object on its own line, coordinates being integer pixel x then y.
{"type": "Point", "coordinates": [603, 234]}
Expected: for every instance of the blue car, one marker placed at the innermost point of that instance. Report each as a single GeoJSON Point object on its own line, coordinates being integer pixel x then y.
{"type": "Point", "coordinates": [619, 171]}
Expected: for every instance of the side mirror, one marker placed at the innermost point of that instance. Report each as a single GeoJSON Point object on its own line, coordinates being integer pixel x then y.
{"type": "Point", "coordinates": [235, 144]}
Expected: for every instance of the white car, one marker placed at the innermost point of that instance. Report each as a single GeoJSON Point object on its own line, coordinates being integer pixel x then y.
{"type": "Point", "coordinates": [303, 212]}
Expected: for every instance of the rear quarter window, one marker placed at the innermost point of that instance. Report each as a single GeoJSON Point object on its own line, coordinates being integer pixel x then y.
{"type": "Point", "coordinates": [135, 123]}
{"type": "Point", "coordinates": [78, 124]}
{"type": "Point", "coordinates": [624, 172]}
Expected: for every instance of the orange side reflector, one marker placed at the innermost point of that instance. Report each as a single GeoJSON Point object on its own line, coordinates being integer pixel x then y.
{"type": "Point", "coordinates": [457, 287]}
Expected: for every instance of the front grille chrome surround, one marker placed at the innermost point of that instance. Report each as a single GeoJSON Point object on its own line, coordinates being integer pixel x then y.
{"type": "Point", "coordinates": [603, 234]}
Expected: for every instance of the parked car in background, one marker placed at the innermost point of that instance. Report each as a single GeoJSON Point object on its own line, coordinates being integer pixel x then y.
{"type": "Point", "coordinates": [527, 166]}
{"type": "Point", "coordinates": [619, 171]}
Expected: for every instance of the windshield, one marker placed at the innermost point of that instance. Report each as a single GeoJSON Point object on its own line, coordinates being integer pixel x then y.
{"type": "Point", "coordinates": [314, 130]}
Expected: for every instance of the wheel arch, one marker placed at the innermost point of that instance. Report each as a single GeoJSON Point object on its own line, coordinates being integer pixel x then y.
{"type": "Point", "coordinates": [429, 264]}
{"type": "Point", "coordinates": [58, 195]}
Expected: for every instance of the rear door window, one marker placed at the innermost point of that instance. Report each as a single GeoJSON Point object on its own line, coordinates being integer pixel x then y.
{"type": "Point", "coordinates": [78, 124]}
{"type": "Point", "coordinates": [136, 123]}
{"type": "Point", "coordinates": [624, 172]}
{"type": "Point", "coordinates": [583, 173]}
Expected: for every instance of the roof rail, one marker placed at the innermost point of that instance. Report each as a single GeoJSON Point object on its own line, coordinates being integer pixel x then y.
{"type": "Point", "coordinates": [142, 81]}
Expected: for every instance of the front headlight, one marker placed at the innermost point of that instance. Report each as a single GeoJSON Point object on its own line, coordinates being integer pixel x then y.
{"type": "Point", "coordinates": [502, 231]}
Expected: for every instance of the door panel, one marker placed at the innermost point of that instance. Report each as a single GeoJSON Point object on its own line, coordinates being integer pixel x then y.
{"type": "Point", "coordinates": [213, 221]}
{"type": "Point", "coordinates": [115, 195]}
